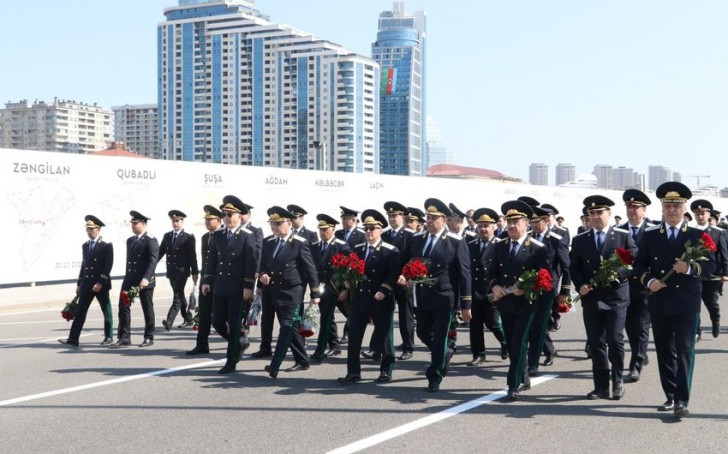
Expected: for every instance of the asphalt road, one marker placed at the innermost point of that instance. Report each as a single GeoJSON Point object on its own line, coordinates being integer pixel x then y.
{"type": "Point", "coordinates": [93, 399]}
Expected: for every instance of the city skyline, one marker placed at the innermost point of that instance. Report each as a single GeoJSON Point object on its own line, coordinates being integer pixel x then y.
{"type": "Point", "coordinates": [586, 83]}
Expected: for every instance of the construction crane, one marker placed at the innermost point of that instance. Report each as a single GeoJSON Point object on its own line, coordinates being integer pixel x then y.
{"type": "Point", "coordinates": [698, 177]}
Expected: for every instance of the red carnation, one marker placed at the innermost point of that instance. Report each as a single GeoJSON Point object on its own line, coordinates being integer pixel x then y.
{"type": "Point", "coordinates": [124, 297]}
{"type": "Point", "coordinates": [625, 256]}
{"type": "Point", "coordinates": [543, 281]}
{"type": "Point", "coordinates": [563, 308]}
{"type": "Point", "coordinates": [708, 242]}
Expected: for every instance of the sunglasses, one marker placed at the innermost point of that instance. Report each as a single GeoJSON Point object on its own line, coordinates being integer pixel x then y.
{"type": "Point", "coordinates": [276, 223]}
{"type": "Point", "coordinates": [371, 228]}
{"type": "Point", "coordinates": [228, 214]}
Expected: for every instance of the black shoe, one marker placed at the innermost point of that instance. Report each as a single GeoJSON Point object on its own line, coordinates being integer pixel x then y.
{"type": "Point", "coordinates": [186, 324]}
{"type": "Point", "coordinates": [549, 360]}
{"type": "Point", "coordinates": [384, 378]}
{"type": "Point", "coordinates": [262, 354]}
{"type": "Point", "coordinates": [448, 356]}
{"type": "Point", "coordinates": [333, 351]}
{"type": "Point", "coordinates": [525, 386]}
{"type": "Point", "coordinates": [504, 351]}
{"type": "Point", "coordinates": [167, 325]}
{"type": "Point", "coordinates": [68, 342]}
{"type": "Point", "coordinates": [405, 356]}
{"type": "Point", "coordinates": [349, 379]}
{"type": "Point", "coordinates": [399, 347]}
{"type": "Point", "coordinates": [646, 361]}
{"type": "Point", "coordinates": [148, 342]}
{"type": "Point", "coordinates": [587, 350]}
{"type": "Point", "coordinates": [228, 368]}
{"type": "Point", "coordinates": [273, 373]}
{"type": "Point", "coordinates": [513, 394]}
{"type": "Point", "coordinates": [633, 376]}
{"type": "Point", "coordinates": [344, 340]}
{"type": "Point", "coordinates": [121, 343]}
{"type": "Point", "coordinates": [197, 351]}
{"type": "Point", "coordinates": [367, 355]}
{"type": "Point", "coordinates": [669, 405]}
{"type": "Point", "coordinates": [244, 344]}
{"type": "Point", "coordinates": [298, 366]}
{"type": "Point", "coordinates": [716, 333]}
{"type": "Point", "coordinates": [617, 390]}
{"type": "Point", "coordinates": [698, 336]}
{"type": "Point", "coordinates": [477, 361]}
{"type": "Point", "coordinates": [316, 358]}
{"type": "Point", "coordinates": [433, 387]}
{"type": "Point", "coordinates": [681, 410]}
{"type": "Point", "coordinates": [596, 394]}
{"type": "Point", "coordinates": [532, 371]}
{"type": "Point", "coordinates": [107, 341]}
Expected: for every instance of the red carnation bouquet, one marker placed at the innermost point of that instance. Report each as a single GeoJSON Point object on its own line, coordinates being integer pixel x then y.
{"type": "Point", "coordinates": [564, 308]}
{"type": "Point", "coordinates": [307, 323]}
{"type": "Point", "coordinates": [608, 270]}
{"type": "Point", "coordinates": [416, 270]}
{"type": "Point", "coordinates": [696, 253]}
{"type": "Point", "coordinates": [533, 282]}
{"type": "Point", "coordinates": [347, 268]}
{"type": "Point", "coordinates": [127, 297]}
{"type": "Point", "coordinates": [70, 309]}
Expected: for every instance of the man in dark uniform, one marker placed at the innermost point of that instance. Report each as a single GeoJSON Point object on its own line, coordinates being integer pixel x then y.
{"type": "Point", "coordinates": [455, 223]}
{"type": "Point", "coordinates": [604, 309]}
{"type": "Point", "coordinates": [373, 298]}
{"type": "Point", "coordinates": [230, 273]}
{"type": "Point", "coordinates": [328, 340]}
{"type": "Point", "coordinates": [179, 247]}
{"type": "Point", "coordinates": [484, 314]}
{"type": "Point", "coordinates": [712, 284]}
{"type": "Point", "coordinates": [449, 269]}
{"type": "Point", "coordinates": [286, 267]}
{"type": "Point", "coordinates": [349, 231]}
{"type": "Point", "coordinates": [558, 257]}
{"type": "Point", "coordinates": [472, 227]}
{"type": "Point", "coordinates": [212, 224]}
{"type": "Point", "coordinates": [93, 281]}
{"type": "Point", "coordinates": [415, 219]}
{"type": "Point", "coordinates": [511, 258]}
{"type": "Point", "coordinates": [501, 228]}
{"type": "Point", "coordinates": [142, 255]}
{"type": "Point", "coordinates": [675, 303]}
{"type": "Point", "coordinates": [297, 224]}
{"type": "Point", "coordinates": [563, 232]}
{"type": "Point", "coordinates": [637, 323]}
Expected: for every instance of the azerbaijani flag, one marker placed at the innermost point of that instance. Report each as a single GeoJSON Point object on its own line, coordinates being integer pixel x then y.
{"type": "Point", "coordinates": [389, 81]}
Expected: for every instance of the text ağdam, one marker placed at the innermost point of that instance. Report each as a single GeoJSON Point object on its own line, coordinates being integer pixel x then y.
{"type": "Point", "coordinates": [325, 183]}
{"type": "Point", "coordinates": [45, 168]}
{"type": "Point", "coordinates": [132, 174]}
{"type": "Point", "coordinates": [276, 181]}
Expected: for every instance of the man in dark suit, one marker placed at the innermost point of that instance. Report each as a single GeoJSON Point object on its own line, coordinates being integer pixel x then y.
{"type": "Point", "coordinates": [558, 257]}
{"type": "Point", "coordinates": [553, 226]}
{"type": "Point", "coordinates": [414, 220]}
{"type": "Point", "coordinates": [349, 231]}
{"type": "Point", "coordinates": [179, 247]}
{"type": "Point", "coordinates": [204, 304]}
{"type": "Point", "coordinates": [142, 255]}
{"type": "Point", "coordinates": [297, 224]}
{"type": "Point", "coordinates": [449, 269]}
{"type": "Point", "coordinates": [484, 314]}
{"type": "Point", "coordinates": [604, 308]}
{"type": "Point", "coordinates": [637, 322]}
{"type": "Point", "coordinates": [93, 282]}
{"type": "Point", "coordinates": [501, 228]}
{"type": "Point", "coordinates": [585, 222]}
{"type": "Point", "coordinates": [675, 303]}
{"type": "Point", "coordinates": [230, 275]}
{"type": "Point", "coordinates": [511, 258]}
{"type": "Point", "coordinates": [373, 298]}
{"type": "Point", "coordinates": [712, 284]}
{"type": "Point", "coordinates": [328, 340]}
{"type": "Point", "coordinates": [286, 267]}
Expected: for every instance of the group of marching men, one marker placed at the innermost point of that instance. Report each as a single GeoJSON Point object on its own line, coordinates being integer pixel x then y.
{"type": "Point", "coordinates": [472, 271]}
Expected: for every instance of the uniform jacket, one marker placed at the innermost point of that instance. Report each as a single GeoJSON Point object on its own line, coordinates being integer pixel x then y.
{"type": "Point", "coordinates": [401, 240]}
{"type": "Point", "coordinates": [323, 262]}
{"type": "Point", "coordinates": [382, 268]}
{"type": "Point", "coordinates": [181, 256]}
{"type": "Point", "coordinates": [656, 257]}
{"type": "Point", "coordinates": [290, 269]}
{"type": "Point", "coordinates": [230, 264]}
{"type": "Point", "coordinates": [720, 237]}
{"type": "Point", "coordinates": [309, 235]}
{"type": "Point", "coordinates": [558, 256]}
{"type": "Point", "coordinates": [141, 261]}
{"type": "Point", "coordinates": [96, 266]}
{"type": "Point", "coordinates": [505, 272]}
{"type": "Point", "coordinates": [258, 234]}
{"type": "Point", "coordinates": [586, 260]}
{"type": "Point", "coordinates": [356, 237]}
{"type": "Point", "coordinates": [636, 289]}
{"type": "Point", "coordinates": [449, 268]}
{"type": "Point", "coordinates": [563, 234]}
{"type": "Point", "coordinates": [480, 266]}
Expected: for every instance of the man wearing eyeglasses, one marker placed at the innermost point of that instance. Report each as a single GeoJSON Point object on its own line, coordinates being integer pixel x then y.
{"type": "Point", "coordinates": [286, 267]}
{"type": "Point", "coordinates": [230, 271]}
{"type": "Point", "coordinates": [179, 247]}
{"type": "Point", "coordinates": [93, 282]}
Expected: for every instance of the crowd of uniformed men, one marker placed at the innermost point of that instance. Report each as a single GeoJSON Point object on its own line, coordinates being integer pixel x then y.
{"type": "Point", "coordinates": [474, 260]}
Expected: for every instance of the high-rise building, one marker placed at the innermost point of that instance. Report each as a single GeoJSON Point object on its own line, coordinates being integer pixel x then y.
{"type": "Point", "coordinates": [400, 50]}
{"type": "Point", "coordinates": [625, 178]}
{"type": "Point", "coordinates": [236, 88]}
{"type": "Point", "coordinates": [604, 174]}
{"type": "Point", "coordinates": [659, 175]}
{"type": "Point", "coordinates": [437, 152]}
{"type": "Point", "coordinates": [138, 127]}
{"type": "Point", "coordinates": [538, 173]}
{"type": "Point", "coordinates": [565, 173]}
{"type": "Point", "coordinates": [66, 126]}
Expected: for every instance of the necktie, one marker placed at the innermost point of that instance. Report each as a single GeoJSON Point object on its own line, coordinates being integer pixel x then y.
{"type": "Point", "coordinates": [370, 250]}
{"type": "Point", "coordinates": [281, 242]}
{"type": "Point", "coordinates": [91, 245]}
{"type": "Point", "coordinates": [634, 232]}
{"type": "Point", "coordinates": [295, 232]}
{"type": "Point", "coordinates": [346, 235]}
{"type": "Point", "coordinates": [428, 248]}
{"type": "Point", "coordinates": [514, 248]}
{"type": "Point", "coordinates": [673, 234]}
{"type": "Point", "coordinates": [135, 242]}
{"type": "Point", "coordinates": [174, 237]}
{"type": "Point", "coordinates": [600, 242]}
{"type": "Point", "coordinates": [482, 246]}
{"type": "Point", "coordinates": [229, 234]}
{"type": "Point", "coordinates": [324, 246]}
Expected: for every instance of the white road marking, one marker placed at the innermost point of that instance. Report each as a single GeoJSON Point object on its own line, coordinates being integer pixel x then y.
{"type": "Point", "coordinates": [427, 420]}
{"type": "Point", "coordinates": [60, 320]}
{"type": "Point", "coordinates": [74, 389]}
{"type": "Point", "coordinates": [39, 339]}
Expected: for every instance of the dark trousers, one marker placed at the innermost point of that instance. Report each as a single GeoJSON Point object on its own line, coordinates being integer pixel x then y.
{"type": "Point", "coordinates": [383, 319]}
{"type": "Point", "coordinates": [84, 303]}
{"type": "Point", "coordinates": [288, 336]}
{"type": "Point", "coordinates": [344, 309]}
{"type": "Point", "coordinates": [227, 315]}
{"type": "Point", "coordinates": [538, 338]}
{"type": "Point", "coordinates": [516, 328]}
{"type": "Point", "coordinates": [267, 318]}
{"type": "Point", "coordinates": [328, 332]}
{"type": "Point", "coordinates": [605, 334]}
{"type": "Point", "coordinates": [432, 330]}
{"type": "Point", "coordinates": [204, 322]}
{"type": "Point", "coordinates": [484, 314]}
{"type": "Point", "coordinates": [674, 337]}
{"type": "Point", "coordinates": [711, 295]}
{"type": "Point", "coordinates": [145, 300]}
{"type": "Point", "coordinates": [406, 314]}
{"type": "Point", "coordinates": [637, 327]}
{"type": "Point", "coordinates": [179, 301]}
